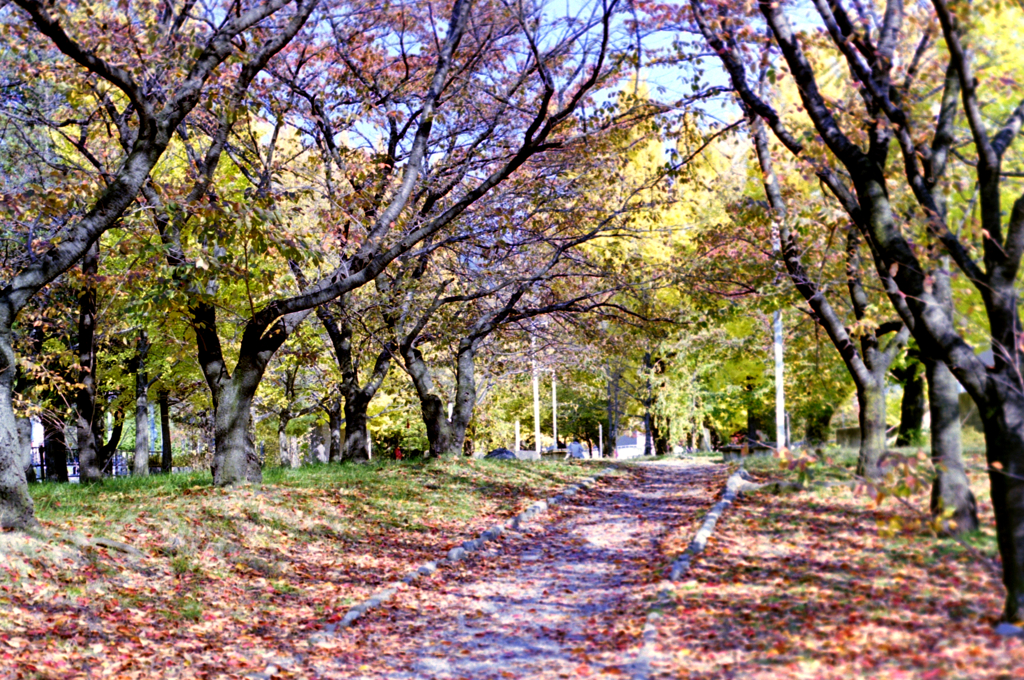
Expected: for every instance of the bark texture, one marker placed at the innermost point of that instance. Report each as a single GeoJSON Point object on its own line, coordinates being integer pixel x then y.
{"type": "Point", "coordinates": [166, 452]}
{"type": "Point", "coordinates": [17, 510]}
{"type": "Point", "coordinates": [140, 461]}
{"type": "Point", "coordinates": [90, 467]}
{"type": "Point", "coordinates": [951, 491]}
{"type": "Point", "coordinates": [912, 406]}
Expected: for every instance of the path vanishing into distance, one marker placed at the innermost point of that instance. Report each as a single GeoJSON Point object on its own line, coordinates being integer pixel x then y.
{"type": "Point", "coordinates": [567, 596]}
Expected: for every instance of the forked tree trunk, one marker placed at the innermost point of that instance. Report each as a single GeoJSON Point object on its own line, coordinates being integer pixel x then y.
{"type": "Point", "coordinates": [355, 443]}
{"type": "Point", "coordinates": [446, 435]}
{"type": "Point", "coordinates": [951, 491]}
{"type": "Point", "coordinates": [439, 431]}
{"type": "Point", "coordinates": [357, 437]}
{"type": "Point", "coordinates": [234, 453]}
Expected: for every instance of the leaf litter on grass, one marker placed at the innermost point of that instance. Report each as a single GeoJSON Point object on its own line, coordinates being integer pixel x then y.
{"type": "Point", "coordinates": [823, 583]}
{"type": "Point", "coordinates": [230, 582]}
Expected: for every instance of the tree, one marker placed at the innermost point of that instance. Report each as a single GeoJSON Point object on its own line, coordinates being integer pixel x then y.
{"type": "Point", "coordinates": [175, 66]}
{"type": "Point", "coordinates": [447, 164]}
{"type": "Point", "coordinates": [908, 271]}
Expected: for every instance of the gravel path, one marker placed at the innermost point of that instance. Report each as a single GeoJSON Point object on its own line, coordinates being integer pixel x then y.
{"type": "Point", "coordinates": [566, 597]}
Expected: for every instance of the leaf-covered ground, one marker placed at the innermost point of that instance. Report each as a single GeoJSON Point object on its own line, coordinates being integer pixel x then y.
{"type": "Point", "coordinates": [821, 583]}
{"type": "Point", "coordinates": [231, 582]}
{"type": "Point", "coordinates": [825, 584]}
{"type": "Point", "coordinates": [567, 598]}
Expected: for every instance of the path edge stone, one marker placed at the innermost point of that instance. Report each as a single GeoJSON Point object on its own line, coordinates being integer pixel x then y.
{"type": "Point", "coordinates": [737, 483]}
{"type": "Point", "coordinates": [456, 554]}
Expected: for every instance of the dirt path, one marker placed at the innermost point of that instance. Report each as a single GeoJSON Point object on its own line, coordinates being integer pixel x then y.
{"type": "Point", "coordinates": [566, 597]}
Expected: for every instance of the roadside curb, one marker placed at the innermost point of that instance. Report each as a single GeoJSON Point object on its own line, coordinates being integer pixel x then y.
{"type": "Point", "coordinates": [456, 554]}
{"type": "Point", "coordinates": [738, 482]}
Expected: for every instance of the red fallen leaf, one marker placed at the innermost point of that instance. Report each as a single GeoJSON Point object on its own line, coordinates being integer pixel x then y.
{"type": "Point", "coordinates": [582, 669]}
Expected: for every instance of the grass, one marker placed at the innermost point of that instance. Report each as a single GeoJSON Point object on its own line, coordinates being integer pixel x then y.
{"type": "Point", "coordinates": [265, 563]}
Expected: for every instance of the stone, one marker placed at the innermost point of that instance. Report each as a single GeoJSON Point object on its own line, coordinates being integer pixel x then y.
{"type": "Point", "coordinates": [471, 546]}
{"type": "Point", "coordinates": [456, 554]}
{"type": "Point", "coordinates": [118, 546]}
{"type": "Point", "coordinates": [1009, 630]}
{"type": "Point", "coordinates": [501, 454]}
{"type": "Point", "coordinates": [427, 569]}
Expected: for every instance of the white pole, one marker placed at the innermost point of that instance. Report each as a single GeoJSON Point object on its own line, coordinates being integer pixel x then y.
{"type": "Point", "coordinates": [517, 437]}
{"type": "Point", "coordinates": [536, 406]}
{"type": "Point", "coordinates": [369, 445]}
{"type": "Point", "coordinates": [780, 388]}
{"type": "Point", "coordinates": [600, 440]}
{"type": "Point", "coordinates": [554, 410]}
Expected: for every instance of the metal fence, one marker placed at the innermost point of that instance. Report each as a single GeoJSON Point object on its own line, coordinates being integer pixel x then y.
{"type": "Point", "coordinates": [119, 465]}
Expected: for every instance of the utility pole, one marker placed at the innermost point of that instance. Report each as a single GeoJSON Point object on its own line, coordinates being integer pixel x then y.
{"type": "Point", "coordinates": [536, 401]}
{"type": "Point", "coordinates": [780, 388]}
{"type": "Point", "coordinates": [781, 440]}
{"type": "Point", "coordinates": [554, 410]}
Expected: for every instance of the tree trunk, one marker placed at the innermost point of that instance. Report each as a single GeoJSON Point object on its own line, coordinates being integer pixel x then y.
{"type": "Point", "coordinates": [661, 436]}
{"type": "Point", "coordinates": [648, 440]}
{"type": "Point", "coordinates": [912, 407]}
{"type": "Point", "coordinates": [951, 490]}
{"type": "Point", "coordinates": [871, 399]}
{"type": "Point", "coordinates": [90, 468]}
{"type": "Point", "coordinates": [56, 451]}
{"type": "Point", "coordinates": [465, 395]}
{"type": "Point", "coordinates": [16, 508]}
{"type": "Point", "coordinates": [334, 426]}
{"type": "Point", "coordinates": [234, 453]}
{"type": "Point", "coordinates": [613, 413]}
{"type": "Point", "coordinates": [140, 462]}
{"type": "Point", "coordinates": [818, 425]}
{"type": "Point", "coordinates": [106, 452]}
{"type": "Point", "coordinates": [25, 440]}
{"type": "Point", "coordinates": [356, 434]}
{"type": "Point", "coordinates": [439, 430]}
{"type": "Point", "coordinates": [166, 452]}
{"type": "Point", "coordinates": [285, 452]}
{"type": "Point", "coordinates": [1004, 439]}
{"type": "Point", "coordinates": [355, 443]}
